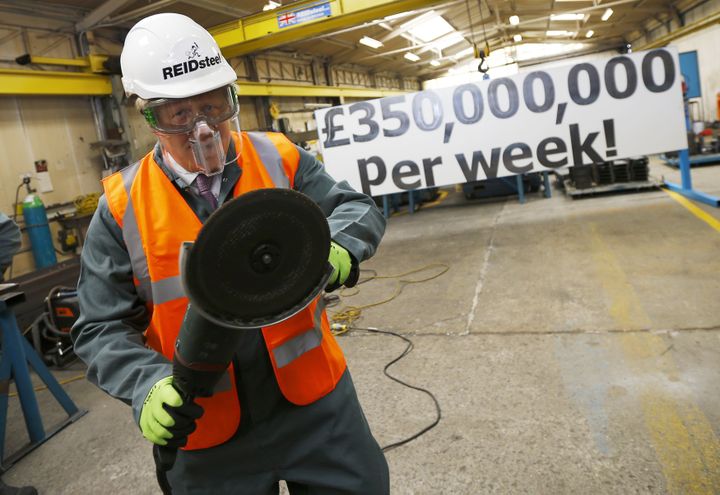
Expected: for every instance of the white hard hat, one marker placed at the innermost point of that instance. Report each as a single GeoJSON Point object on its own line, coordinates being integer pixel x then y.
{"type": "Point", "coordinates": [172, 56]}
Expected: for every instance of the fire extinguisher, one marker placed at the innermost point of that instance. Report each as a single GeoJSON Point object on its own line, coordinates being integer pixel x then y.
{"type": "Point", "coordinates": [38, 230]}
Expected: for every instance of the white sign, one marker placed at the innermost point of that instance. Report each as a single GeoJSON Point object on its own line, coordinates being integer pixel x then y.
{"type": "Point", "coordinates": [534, 121]}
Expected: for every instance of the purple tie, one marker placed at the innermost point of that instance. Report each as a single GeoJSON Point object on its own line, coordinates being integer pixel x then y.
{"type": "Point", "coordinates": [204, 183]}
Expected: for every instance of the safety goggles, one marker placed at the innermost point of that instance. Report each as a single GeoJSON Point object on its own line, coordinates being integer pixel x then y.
{"type": "Point", "coordinates": [179, 115]}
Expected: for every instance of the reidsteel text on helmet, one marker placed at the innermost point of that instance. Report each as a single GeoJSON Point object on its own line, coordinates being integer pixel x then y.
{"type": "Point", "coordinates": [189, 66]}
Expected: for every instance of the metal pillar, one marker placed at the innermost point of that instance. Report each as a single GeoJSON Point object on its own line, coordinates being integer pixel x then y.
{"type": "Point", "coordinates": [17, 353]}
{"type": "Point", "coordinates": [520, 188]}
{"type": "Point", "coordinates": [546, 185]}
{"type": "Point", "coordinates": [392, 202]}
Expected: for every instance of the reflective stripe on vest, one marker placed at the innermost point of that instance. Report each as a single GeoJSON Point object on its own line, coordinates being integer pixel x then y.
{"type": "Point", "coordinates": [156, 292]}
{"type": "Point", "coordinates": [167, 289]}
{"type": "Point", "coordinates": [131, 235]}
{"type": "Point", "coordinates": [270, 158]}
{"type": "Point", "coordinates": [300, 344]}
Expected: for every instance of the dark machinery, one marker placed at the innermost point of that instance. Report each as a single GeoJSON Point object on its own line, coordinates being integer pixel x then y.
{"type": "Point", "coordinates": [49, 310]}
{"type": "Point", "coordinates": [501, 186]}
{"type": "Point", "coordinates": [611, 172]}
{"type": "Point", "coordinates": [50, 332]}
{"type": "Point", "coordinates": [623, 175]}
{"type": "Point", "coordinates": [257, 261]}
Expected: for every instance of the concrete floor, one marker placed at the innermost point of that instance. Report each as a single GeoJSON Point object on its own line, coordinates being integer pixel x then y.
{"type": "Point", "coordinates": [574, 347]}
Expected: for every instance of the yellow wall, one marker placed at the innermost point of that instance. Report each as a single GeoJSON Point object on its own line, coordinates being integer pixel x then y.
{"type": "Point", "coordinates": [248, 114]}
{"type": "Point", "coordinates": [141, 139]}
{"type": "Point", "coordinates": [56, 129]}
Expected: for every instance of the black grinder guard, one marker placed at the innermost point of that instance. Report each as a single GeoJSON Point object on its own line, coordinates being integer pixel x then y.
{"type": "Point", "coordinates": [258, 260]}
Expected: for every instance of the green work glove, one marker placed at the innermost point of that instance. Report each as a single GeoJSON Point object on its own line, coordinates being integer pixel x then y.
{"type": "Point", "coordinates": [341, 262]}
{"type": "Point", "coordinates": [165, 419]}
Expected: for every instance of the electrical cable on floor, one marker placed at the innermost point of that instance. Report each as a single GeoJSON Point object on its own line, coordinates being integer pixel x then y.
{"type": "Point", "coordinates": [407, 351]}
{"type": "Point", "coordinates": [342, 322]}
{"type": "Point", "coordinates": [350, 314]}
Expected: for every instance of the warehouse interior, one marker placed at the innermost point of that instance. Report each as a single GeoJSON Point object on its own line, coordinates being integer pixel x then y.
{"type": "Point", "coordinates": [552, 333]}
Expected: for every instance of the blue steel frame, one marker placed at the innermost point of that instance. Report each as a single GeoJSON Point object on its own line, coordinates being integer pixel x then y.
{"type": "Point", "coordinates": [17, 353]}
{"type": "Point", "coordinates": [686, 188]}
{"type": "Point", "coordinates": [392, 201]}
{"type": "Point", "coordinates": [695, 160]}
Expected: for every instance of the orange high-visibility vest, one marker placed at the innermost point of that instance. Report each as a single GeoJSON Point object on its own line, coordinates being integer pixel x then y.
{"type": "Point", "coordinates": [155, 219]}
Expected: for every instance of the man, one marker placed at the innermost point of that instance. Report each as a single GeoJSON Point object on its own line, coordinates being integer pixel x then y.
{"type": "Point", "coordinates": [298, 421]}
{"type": "Point", "coordinates": [9, 242]}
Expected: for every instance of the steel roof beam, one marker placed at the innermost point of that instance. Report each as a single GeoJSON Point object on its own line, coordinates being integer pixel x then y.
{"type": "Point", "coordinates": [684, 31]}
{"type": "Point", "coordinates": [26, 82]}
{"type": "Point", "coordinates": [422, 47]}
{"type": "Point", "coordinates": [297, 90]}
{"type": "Point", "coordinates": [103, 11]}
{"type": "Point", "coordinates": [262, 31]}
{"type": "Point", "coordinates": [59, 13]}
{"type": "Point", "coordinates": [442, 10]}
{"type": "Point", "coordinates": [219, 7]}
{"type": "Point", "coordinates": [139, 12]}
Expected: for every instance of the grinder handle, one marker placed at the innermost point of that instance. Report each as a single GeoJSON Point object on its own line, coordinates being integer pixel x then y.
{"type": "Point", "coordinates": [164, 455]}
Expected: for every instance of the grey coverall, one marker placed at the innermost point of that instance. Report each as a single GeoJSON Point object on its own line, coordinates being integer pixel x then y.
{"type": "Point", "coordinates": [322, 448]}
{"type": "Point", "coordinates": [9, 242]}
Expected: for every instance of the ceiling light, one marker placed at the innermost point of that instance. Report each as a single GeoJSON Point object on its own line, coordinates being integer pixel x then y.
{"type": "Point", "coordinates": [434, 63]}
{"type": "Point", "coordinates": [412, 57]}
{"type": "Point", "coordinates": [589, 33]}
{"type": "Point", "coordinates": [606, 15]}
{"type": "Point", "coordinates": [271, 5]}
{"type": "Point", "coordinates": [514, 20]}
{"type": "Point", "coordinates": [560, 33]}
{"type": "Point", "coordinates": [371, 42]}
{"type": "Point", "coordinates": [567, 17]}
{"type": "Point", "coordinates": [517, 37]}
{"type": "Point", "coordinates": [431, 29]}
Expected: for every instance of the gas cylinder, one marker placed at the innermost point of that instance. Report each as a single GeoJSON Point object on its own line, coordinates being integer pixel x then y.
{"type": "Point", "coordinates": [38, 229]}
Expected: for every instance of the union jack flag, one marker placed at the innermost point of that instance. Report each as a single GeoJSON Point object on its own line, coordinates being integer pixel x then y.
{"type": "Point", "coordinates": [286, 19]}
